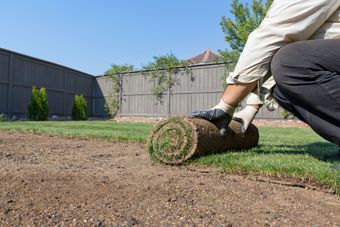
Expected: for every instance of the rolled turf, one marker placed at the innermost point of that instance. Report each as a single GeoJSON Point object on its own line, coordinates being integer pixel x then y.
{"type": "Point", "coordinates": [180, 138]}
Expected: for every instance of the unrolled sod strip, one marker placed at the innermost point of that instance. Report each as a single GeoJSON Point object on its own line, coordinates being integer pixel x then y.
{"type": "Point", "coordinates": [180, 138]}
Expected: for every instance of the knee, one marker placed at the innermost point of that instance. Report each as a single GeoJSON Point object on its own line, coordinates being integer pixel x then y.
{"type": "Point", "coordinates": [281, 63]}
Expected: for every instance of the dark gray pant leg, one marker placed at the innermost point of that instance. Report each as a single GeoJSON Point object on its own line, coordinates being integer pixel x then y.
{"type": "Point", "coordinates": [307, 74]}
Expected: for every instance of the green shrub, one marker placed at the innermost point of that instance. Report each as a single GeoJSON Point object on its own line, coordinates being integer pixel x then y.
{"type": "Point", "coordinates": [38, 107]}
{"type": "Point", "coordinates": [3, 117]}
{"type": "Point", "coordinates": [111, 106]}
{"type": "Point", "coordinates": [287, 115]}
{"type": "Point", "coordinates": [79, 110]}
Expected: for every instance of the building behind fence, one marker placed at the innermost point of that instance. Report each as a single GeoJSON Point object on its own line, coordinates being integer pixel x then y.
{"type": "Point", "coordinates": [196, 91]}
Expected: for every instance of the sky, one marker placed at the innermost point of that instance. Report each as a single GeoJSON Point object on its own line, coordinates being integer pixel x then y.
{"type": "Point", "coordinates": [90, 35]}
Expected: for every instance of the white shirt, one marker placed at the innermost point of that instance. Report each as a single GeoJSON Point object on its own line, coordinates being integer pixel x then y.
{"type": "Point", "coordinates": [287, 21]}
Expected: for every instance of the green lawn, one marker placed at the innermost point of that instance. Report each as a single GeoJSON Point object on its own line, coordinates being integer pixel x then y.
{"type": "Point", "coordinates": [136, 132]}
{"type": "Point", "coordinates": [285, 152]}
{"type": "Point", "coordinates": [282, 152]}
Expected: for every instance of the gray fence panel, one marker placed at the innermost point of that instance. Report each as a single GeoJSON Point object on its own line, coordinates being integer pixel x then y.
{"type": "Point", "coordinates": [55, 102]}
{"type": "Point", "coordinates": [3, 98]}
{"type": "Point", "coordinates": [103, 85]}
{"type": "Point", "coordinates": [4, 63]}
{"type": "Point", "coordinates": [20, 99]}
{"type": "Point", "coordinates": [89, 101]}
{"type": "Point", "coordinates": [79, 84]}
{"type": "Point", "coordinates": [102, 90]}
{"type": "Point", "coordinates": [198, 91]}
{"type": "Point", "coordinates": [35, 73]}
{"type": "Point", "coordinates": [69, 104]}
{"type": "Point", "coordinates": [142, 105]}
{"type": "Point", "coordinates": [19, 73]}
{"type": "Point", "coordinates": [137, 97]}
{"type": "Point", "coordinates": [99, 107]}
{"type": "Point", "coordinates": [264, 113]}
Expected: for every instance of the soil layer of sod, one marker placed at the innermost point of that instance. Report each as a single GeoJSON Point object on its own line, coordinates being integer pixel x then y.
{"type": "Point", "coordinates": [180, 138]}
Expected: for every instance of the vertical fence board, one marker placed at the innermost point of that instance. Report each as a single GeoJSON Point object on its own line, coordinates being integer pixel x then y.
{"type": "Point", "coordinates": [4, 67]}
{"type": "Point", "coordinates": [3, 98]}
{"type": "Point", "coordinates": [10, 86]}
{"type": "Point", "coordinates": [4, 83]}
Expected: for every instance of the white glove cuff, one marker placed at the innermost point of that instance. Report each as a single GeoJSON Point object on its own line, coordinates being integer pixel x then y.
{"type": "Point", "coordinates": [225, 107]}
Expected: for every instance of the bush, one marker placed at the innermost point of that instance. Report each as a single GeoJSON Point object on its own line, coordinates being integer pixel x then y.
{"type": "Point", "coordinates": [79, 110]}
{"type": "Point", "coordinates": [38, 107]}
{"type": "Point", "coordinates": [111, 106]}
{"type": "Point", "coordinates": [287, 115]}
{"type": "Point", "coordinates": [3, 117]}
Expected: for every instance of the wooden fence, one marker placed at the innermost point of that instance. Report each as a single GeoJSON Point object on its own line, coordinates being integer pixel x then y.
{"type": "Point", "coordinates": [19, 73]}
{"type": "Point", "coordinates": [198, 91]}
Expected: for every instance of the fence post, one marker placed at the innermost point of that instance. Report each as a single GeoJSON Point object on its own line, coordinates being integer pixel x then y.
{"type": "Point", "coordinates": [10, 85]}
{"type": "Point", "coordinates": [120, 95]}
{"type": "Point", "coordinates": [169, 101]}
{"type": "Point", "coordinates": [94, 84]}
{"type": "Point", "coordinates": [65, 93]}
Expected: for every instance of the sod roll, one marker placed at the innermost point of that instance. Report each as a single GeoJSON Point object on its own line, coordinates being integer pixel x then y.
{"type": "Point", "coordinates": [180, 138]}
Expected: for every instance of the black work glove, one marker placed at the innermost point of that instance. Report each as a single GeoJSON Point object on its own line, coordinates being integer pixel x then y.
{"type": "Point", "coordinates": [216, 116]}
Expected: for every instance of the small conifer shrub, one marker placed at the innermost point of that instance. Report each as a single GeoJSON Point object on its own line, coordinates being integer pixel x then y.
{"type": "Point", "coordinates": [38, 107]}
{"type": "Point", "coordinates": [79, 110]}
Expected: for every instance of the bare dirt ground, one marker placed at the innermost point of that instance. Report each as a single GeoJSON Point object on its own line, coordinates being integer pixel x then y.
{"type": "Point", "coordinates": [75, 182]}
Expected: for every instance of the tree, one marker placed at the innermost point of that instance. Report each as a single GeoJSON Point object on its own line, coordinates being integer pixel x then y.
{"type": "Point", "coordinates": [163, 70]}
{"type": "Point", "coordinates": [112, 102]}
{"type": "Point", "coordinates": [117, 69]}
{"type": "Point", "coordinates": [246, 19]}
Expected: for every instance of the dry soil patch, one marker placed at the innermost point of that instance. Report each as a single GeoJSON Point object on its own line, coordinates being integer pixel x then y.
{"type": "Point", "coordinates": [54, 180]}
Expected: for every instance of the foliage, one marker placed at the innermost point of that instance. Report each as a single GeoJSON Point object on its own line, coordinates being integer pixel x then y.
{"type": "Point", "coordinates": [246, 19]}
{"type": "Point", "coordinates": [111, 105]}
{"type": "Point", "coordinates": [112, 101]}
{"type": "Point", "coordinates": [38, 107]}
{"type": "Point", "coordinates": [237, 29]}
{"type": "Point", "coordinates": [164, 68]}
{"type": "Point", "coordinates": [3, 117]}
{"type": "Point", "coordinates": [287, 115]}
{"type": "Point", "coordinates": [79, 110]}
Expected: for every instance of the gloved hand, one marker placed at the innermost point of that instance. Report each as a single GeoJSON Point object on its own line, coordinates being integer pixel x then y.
{"type": "Point", "coordinates": [245, 116]}
{"type": "Point", "coordinates": [220, 115]}
{"type": "Point", "coordinates": [217, 116]}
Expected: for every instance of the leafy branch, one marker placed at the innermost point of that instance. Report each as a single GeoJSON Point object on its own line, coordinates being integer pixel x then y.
{"type": "Point", "coordinates": [112, 102]}
{"type": "Point", "coordinates": [163, 70]}
{"type": "Point", "coordinates": [246, 18]}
